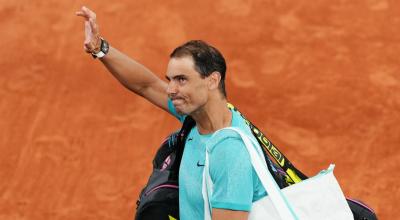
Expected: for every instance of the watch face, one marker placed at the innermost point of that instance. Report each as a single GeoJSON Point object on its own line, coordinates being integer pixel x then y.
{"type": "Point", "coordinates": [104, 46]}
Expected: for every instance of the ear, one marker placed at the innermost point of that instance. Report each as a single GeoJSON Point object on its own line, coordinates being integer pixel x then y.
{"type": "Point", "coordinates": [213, 80]}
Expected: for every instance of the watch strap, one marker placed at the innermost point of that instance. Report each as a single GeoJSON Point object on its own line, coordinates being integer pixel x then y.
{"type": "Point", "coordinates": [104, 47]}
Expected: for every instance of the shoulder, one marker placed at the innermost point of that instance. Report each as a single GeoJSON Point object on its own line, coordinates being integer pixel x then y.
{"type": "Point", "coordinates": [225, 137]}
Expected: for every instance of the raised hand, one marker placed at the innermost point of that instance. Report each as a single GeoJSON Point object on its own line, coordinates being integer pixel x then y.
{"type": "Point", "coordinates": [92, 41]}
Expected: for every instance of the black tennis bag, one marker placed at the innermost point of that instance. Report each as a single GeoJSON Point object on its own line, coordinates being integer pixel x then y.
{"type": "Point", "coordinates": [159, 200]}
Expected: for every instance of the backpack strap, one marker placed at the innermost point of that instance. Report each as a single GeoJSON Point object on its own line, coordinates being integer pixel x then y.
{"type": "Point", "coordinates": [293, 174]}
{"type": "Point", "coordinates": [183, 133]}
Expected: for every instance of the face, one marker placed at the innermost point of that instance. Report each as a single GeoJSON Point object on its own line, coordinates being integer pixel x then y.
{"type": "Point", "coordinates": [187, 90]}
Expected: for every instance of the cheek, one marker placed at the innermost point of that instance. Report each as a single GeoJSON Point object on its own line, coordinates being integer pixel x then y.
{"type": "Point", "coordinates": [194, 92]}
{"type": "Point", "coordinates": [198, 96]}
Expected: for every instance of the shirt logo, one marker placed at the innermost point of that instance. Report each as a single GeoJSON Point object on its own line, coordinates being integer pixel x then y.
{"type": "Point", "coordinates": [199, 165]}
{"type": "Point", "coordinates": [189, 139]}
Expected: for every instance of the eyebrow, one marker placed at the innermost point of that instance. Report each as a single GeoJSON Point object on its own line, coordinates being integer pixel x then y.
{"type": "Point", "coordinates": [175, 77]}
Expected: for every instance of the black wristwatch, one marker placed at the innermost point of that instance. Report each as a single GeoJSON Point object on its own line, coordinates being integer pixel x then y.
{"type": "Point", "coordinates": [104, 47]}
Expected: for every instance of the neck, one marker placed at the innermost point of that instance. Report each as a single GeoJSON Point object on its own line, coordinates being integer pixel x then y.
{"type": "Point", "coordinates": [212, 116]}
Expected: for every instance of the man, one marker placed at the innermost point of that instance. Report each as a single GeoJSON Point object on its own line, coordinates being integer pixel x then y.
{"type": "Point", "coordinates": [195, 87]}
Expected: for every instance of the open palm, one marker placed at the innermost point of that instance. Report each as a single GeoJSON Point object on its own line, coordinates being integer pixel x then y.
{"type": "Point", "coordinates": [92, 37]}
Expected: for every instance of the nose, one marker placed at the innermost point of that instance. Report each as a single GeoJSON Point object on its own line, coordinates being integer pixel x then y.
{"type": "Point", "coordinates": [172, 89]}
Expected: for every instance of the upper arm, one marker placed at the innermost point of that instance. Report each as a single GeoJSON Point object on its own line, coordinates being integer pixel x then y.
{"type": "Point", "coordinates": [223, 214]}
{"type": "Point", "coordinates": [136, 77]}
{"type": "Point", "coordinates": [156, 93]}
{"type": "Point", "coordinates": [232, 175]}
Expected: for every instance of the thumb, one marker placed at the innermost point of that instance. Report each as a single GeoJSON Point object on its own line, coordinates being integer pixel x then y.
{"type": "Point", "coordinates": [87, 50]}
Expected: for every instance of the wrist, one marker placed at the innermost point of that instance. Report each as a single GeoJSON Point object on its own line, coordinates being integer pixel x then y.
{"type": "Point", "coordinates": [102, 49]}
{"type": "Point", "coordinates": [97, 45]}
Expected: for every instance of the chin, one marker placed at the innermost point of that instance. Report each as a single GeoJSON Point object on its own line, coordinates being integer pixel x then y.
{"type": "Point", "coordinates": [182, 111]}
{"type": "Point", "coordinates": [179, 110]}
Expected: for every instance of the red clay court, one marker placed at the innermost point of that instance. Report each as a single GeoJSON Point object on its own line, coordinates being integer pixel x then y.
{"type": "Point", "coordinates": [321, 78]}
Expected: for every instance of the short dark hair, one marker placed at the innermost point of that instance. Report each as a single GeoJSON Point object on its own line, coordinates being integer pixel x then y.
{"type": "Point", "coordinates": [207, 59]}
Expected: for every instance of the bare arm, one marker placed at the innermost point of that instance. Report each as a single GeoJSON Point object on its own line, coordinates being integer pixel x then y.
{"type": "Point", "coordinates": [136, 77]}
{"type": "Point", "coordinates": [129, 73]}
{"type": "Point", "coordinates": [224, 214]}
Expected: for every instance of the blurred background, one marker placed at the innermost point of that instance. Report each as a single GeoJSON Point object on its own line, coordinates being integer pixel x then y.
{"type": "Point", "coordinates": [321, 78]}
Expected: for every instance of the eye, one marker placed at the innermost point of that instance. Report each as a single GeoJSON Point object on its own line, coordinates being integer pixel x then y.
{"type": "Point", "coordinates": [181, 79]}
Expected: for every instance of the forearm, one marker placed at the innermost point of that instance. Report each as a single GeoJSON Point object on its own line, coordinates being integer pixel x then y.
{"type": "Point", "coordinates": [129, 72]}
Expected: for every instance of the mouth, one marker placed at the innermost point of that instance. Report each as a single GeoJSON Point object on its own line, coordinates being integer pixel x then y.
{"type": "Point", "coordinates": [177, 101]}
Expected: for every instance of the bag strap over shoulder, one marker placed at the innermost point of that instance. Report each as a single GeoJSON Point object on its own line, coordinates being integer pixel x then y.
{"type": "Point", "coordinates": [293, 174]}
{"type": "Point", "coordinates": [279, 201]}
{"type": "Point", "coordinates": [187, 126]}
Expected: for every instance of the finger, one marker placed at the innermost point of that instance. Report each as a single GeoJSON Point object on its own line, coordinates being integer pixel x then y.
{"type": "Point", "coordinates": [89, 46]}
{"type": "Point", "coordinates": [90, 13]}
{"type": "Point", "coordinates": [86, 13]}
{"type": "Point", "coordinates": [82, 14]}
{"type": "Point", "coordinates": [94, 27]}
{"type": "Point", "coordinates": [87, 50]}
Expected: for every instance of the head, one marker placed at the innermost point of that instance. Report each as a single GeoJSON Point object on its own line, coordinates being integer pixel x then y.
{"type": "Point", "coordinates": [196, 71]}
